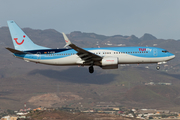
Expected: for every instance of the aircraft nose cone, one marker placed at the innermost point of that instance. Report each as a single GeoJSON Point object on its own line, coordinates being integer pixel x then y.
{"type": "Point", "coordinates": [173, 56]}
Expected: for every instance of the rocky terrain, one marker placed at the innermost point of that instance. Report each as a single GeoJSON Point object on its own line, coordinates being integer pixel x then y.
{"type": "Point", "coordinates": [52, 99]}
{"type": "Point", "coordinates": [54, 86]}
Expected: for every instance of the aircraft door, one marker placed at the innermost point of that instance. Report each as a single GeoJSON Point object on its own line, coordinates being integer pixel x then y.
{"type": "Point", "coordinates": [155, 53]}
{"type": "Point", "coordinates": [38, 55]}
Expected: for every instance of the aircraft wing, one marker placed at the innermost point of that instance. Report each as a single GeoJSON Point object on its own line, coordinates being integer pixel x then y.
{"type": "Point", "coordinates": [83, 54]}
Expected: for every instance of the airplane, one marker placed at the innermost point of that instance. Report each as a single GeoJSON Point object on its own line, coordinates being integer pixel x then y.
{"type": "Point", "coordinates": [106, 58]}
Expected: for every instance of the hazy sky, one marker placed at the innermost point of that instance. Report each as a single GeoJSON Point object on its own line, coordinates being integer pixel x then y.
{"type": "Point", "coordinates": [160, 18]}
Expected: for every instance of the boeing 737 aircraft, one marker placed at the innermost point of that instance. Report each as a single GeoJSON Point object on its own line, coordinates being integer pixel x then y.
{"type": "Point", "coordinates": [106, 58]}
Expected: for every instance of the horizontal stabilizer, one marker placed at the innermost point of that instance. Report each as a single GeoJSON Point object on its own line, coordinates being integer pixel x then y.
{"type": "Point", "coordinates": [15, 51]}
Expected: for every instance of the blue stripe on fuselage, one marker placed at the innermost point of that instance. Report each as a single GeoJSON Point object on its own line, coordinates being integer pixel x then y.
{"type": "Point", "coordinates": [47, 51]}
{"type": "Point", "coordinates": [145, 52]}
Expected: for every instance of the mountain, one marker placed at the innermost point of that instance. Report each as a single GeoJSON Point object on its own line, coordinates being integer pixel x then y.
{"type": "Point", "coordinates": [147, 36]}
{"type": "Point", "coordinates": [22, 81]}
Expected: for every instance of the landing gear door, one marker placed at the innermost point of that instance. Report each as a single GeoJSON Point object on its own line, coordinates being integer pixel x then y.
{"type": "Point", "coordinates": [155, 53]}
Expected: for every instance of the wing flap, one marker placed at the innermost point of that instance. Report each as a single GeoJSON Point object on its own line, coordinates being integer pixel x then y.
{"type": "Point", "coordinates": [82, 53]}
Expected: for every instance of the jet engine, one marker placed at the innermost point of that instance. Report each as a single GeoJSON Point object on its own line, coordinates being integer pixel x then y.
{"type": "Point", "coordinates": [109, 63]}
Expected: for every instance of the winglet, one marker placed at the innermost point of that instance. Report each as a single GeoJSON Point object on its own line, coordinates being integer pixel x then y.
{"type": "Point", "coordinates": [68, 42]}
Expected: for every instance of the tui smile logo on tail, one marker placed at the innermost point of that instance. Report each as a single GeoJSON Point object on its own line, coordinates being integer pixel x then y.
{"type": "Point", "coordinates": [20, 42]}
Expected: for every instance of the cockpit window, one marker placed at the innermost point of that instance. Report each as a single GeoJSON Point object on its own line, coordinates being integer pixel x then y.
{"type": "Point", "coordinates": [164, 51]}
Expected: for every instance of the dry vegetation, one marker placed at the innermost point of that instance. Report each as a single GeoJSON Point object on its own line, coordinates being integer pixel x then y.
{"type": "Point", "coordinates": [62, 115]}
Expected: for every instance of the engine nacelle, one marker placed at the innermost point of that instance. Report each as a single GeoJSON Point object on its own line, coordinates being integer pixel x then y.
{"type": "Point", "coordinates": [109, 63]}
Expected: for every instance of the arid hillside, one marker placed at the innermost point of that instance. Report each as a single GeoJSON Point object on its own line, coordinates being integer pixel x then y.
{"type": "Point", "coordinates": [55, 86]}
